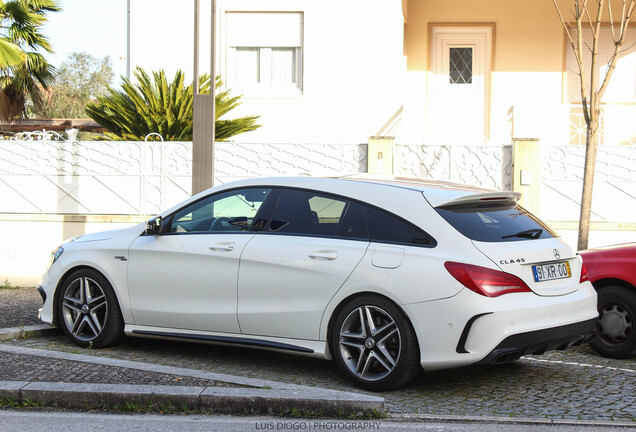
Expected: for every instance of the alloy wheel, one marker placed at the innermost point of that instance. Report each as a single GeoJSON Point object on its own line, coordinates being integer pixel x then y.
{"type": "Point", "coordinates": [85, 309]}
{"type": "Point", "coordinates": [370, 343]}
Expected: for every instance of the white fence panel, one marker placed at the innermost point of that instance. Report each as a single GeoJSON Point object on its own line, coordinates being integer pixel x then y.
{"type": "Point", "coordinates": [614, 198]}
{"type": "Point", "coordinates": [489, 166]}
{"type": "Point", "coordinates": [133, 178]}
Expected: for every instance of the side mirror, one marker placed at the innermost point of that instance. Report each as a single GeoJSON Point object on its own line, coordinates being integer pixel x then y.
{"type": "Point", "coordinates": [153, 226]}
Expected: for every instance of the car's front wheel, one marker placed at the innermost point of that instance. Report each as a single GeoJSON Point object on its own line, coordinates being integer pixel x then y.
{"type": "Point", "coordinates": [374, 344]}
{"type": "Point", "coordinates": [615, 330]}
{"type": "Point", "coordinates": [89, 311]}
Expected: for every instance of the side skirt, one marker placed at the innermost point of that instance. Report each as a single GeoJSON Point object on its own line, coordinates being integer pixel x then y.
{"type": "Point", "coordinates": [307, 348]}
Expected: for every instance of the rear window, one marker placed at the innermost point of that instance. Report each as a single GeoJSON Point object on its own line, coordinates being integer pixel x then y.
{"type": "Point", "coordinates": [496, 224]}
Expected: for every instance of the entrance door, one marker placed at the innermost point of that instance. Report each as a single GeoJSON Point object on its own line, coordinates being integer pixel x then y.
{"type": "Point", "coordinates": [459, 85]}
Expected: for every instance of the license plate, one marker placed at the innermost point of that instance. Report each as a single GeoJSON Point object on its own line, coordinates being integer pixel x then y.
{"type": "Point", "coordinates": [546, 272]}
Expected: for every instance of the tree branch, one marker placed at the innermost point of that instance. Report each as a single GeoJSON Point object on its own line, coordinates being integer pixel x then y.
{"type": "Point", "coordinates": [618, 45]}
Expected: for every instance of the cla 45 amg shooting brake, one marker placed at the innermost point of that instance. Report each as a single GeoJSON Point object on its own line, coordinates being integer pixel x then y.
{"type": "Point", "coordinates": [384, 276]}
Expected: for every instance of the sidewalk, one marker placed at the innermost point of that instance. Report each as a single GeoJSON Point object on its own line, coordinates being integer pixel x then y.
{"type": "Point", "coordinates": [51, 378]}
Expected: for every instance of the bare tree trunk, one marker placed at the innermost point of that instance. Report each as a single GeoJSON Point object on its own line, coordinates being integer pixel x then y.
{"type": "Point", "coordinates": [588, 182]}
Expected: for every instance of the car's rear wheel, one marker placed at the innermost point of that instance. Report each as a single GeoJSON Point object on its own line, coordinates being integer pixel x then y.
{"type": "Point", "coordinates": [89, 311]}
{"type": "Point", "coordinates": [374, 344]}
{"type": "Point", "coordinates": [615, 332]}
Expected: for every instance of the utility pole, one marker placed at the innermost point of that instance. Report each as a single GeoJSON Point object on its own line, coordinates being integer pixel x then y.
{"type": "Point", "coordinates": [203, 112]}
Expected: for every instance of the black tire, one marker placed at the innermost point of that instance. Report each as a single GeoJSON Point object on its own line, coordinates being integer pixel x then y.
{"type": "Point", "coordinates": [615, 328]}
{"type": "Point", "coordinates": [88, 310]}
{"type": "Point", "coordinates": [381, 358]}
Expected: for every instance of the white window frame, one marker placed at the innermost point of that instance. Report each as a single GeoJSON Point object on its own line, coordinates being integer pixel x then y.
{"type": "Point", "coordinates": [264, 87]}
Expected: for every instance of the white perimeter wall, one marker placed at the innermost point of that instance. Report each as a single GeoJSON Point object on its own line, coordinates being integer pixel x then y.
{"type": "Point", "coordinates": [54, 190]}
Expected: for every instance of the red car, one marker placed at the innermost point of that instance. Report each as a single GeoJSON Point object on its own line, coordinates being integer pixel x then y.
{"type": "Point", "coordinates": [612, 271]}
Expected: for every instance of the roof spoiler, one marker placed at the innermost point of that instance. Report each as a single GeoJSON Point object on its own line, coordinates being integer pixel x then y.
{"type": "Point", "coordinates": [483, 200]}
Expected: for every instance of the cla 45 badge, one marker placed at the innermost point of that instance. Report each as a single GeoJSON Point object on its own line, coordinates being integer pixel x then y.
{"type": "Point", "coordinates": [513, 261]}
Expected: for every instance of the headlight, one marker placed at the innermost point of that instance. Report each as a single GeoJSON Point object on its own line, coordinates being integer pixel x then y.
{"type": "Point", "coordinates": [55, 254]}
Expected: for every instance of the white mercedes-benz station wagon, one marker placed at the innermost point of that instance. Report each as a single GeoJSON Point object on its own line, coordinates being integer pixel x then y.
{"type": "Point", "coordinates": [384, 276]}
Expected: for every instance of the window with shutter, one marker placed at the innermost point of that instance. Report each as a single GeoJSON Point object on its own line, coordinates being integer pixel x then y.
{"type": "Point", "coordinates": [622, 87]}
{"type": "Point", "coordinates": [264, 52]}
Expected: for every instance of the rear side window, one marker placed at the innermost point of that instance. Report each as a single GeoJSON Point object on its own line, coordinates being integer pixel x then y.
{"type": "Point", "coordinates": [496, 224]}
{"type": "Point", "coordinates": [365, 222]}
{"type": "Point", "coordinates": [387, 228]}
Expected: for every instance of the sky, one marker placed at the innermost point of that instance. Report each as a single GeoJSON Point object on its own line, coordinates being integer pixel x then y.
{"type": "Point", "coordinates": [97, 27]}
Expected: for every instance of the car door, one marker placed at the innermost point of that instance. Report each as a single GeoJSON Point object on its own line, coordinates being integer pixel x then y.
{"type": "Point", "coordinates": [291, 270]}
{"type": "Point", "coordinates": [186, 277]}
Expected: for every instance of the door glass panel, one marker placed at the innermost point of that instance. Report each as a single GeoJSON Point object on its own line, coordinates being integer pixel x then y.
{"type": "Point", "coordinates": [226, 211]}
{"type": "Point", "coordinates": [303, 212]}
{"type": "Point", "coordinates": [461, 65]}
{"type": "Point", "coordinates": [353, 224]}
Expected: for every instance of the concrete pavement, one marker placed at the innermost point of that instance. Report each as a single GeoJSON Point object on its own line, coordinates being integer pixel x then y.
{"type": "Point", "coordinates": [68, 380]}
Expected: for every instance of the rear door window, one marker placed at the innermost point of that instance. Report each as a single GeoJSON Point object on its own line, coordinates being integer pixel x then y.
{"type": "Point", "coordinates": [306, 212]}
{"type": "Point", "coordinates": [353, 224]}
{"type": "Point", "coordinates": [496, 224]}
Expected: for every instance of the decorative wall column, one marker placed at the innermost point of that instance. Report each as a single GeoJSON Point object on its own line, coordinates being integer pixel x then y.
{"type": "Point", "coordinates": [380, 155]}
{"type": "Point", "coordinates": [525, 171]}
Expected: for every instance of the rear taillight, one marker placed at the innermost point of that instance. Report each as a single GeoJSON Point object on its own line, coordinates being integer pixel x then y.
{"type": "Point", "coordinates": [584, 276]}
{"type": "Point", "coordinates": [485, 281]}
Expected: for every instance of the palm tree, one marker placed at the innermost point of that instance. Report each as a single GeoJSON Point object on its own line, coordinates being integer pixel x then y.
{"type": "Point", "coordinates": [154, 105]}
{"type": "Point", "coordinates": [10, 53]}
{"type": "Point", "coordinates": [23, 70]}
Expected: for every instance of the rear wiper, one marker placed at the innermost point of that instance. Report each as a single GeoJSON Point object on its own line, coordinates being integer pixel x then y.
{"type": "Point", "coordinates": [531, 234]}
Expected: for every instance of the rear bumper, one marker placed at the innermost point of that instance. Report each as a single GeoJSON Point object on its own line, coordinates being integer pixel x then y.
{"type": "Point", "coordinates": [468, 328]}
{"type": "Point", "coordinates": [540, 341]}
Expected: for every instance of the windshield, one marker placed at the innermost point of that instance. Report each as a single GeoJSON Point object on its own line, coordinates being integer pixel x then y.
{"type": "Point", "coordinates": [496, 224]}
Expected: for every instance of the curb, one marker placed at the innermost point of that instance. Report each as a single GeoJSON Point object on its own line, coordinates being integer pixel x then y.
{"type": "Point", "coordinates": [27, 331]}
{"type": "Point", "coordinates": [248, 396]}
{"type": "Point", "coordinates": [406, 418]}
{"type": "Point", "coordinates": [218, 400]}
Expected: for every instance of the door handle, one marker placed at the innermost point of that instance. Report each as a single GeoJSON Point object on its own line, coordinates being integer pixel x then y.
{"type": "Point", "coordinates": [324, 255]}
{"type": "Point", "coordinates": [222, 247]}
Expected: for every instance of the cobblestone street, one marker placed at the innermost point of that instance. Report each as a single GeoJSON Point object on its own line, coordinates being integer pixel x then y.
{"type": "Point", "coordinates": [574, 384]}
{"type": "Point", "coordinates": [19, 306]}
